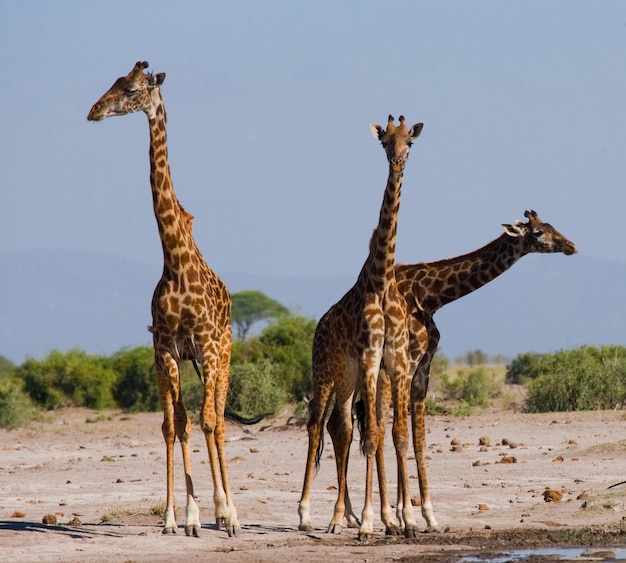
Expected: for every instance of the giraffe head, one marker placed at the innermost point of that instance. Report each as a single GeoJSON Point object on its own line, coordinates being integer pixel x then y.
{"type": "Point", "coordinates": [539, 236]}
{"type": "Point", "coordinates": [137, 91]}
{"type": "Point", "coordinates": [396, 141]}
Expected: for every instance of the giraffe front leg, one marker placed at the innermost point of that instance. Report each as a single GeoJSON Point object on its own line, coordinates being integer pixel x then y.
{"type": "Point", "coordinates": [192, 512]}
{"type": "Point", "coordinates": [419, 438]}
{"type": "Point", "coordinates": [182, 427]}
{"type": "Point", "coordinates": [231, 523]}
{"type": "Point", "coordinates": [392, 528]}
{"type": "Point", "coordinates": [169, 516]}
{"type": "Point", "coordinates": [340, 430]}
{"type": "Point", "coordinates": [367, 516]}
{"type": "Point", "coordinates": [169, 436]}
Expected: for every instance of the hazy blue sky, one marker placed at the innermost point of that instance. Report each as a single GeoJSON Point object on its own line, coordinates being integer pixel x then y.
{"type": "Point", "coordinates": [269, 104]}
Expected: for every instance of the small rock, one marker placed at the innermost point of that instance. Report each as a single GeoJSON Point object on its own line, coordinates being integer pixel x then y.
{"type": "Point", "coordinates": [552, 495]}
{"type": "Point", "coordinates": [484, 441]}
{"type": "Point", "coordinates": [483, 507]}
{"type": "Point", "coordinates": [75, 522]}
{"type": "Point", "coordinates": [50, 519]}
{"type": "Point", "coordinates": [507, 459]}
{"type": "Point", "coordinates": [559, 459]}
{"type": "Point", "coordinates": [416, 501]}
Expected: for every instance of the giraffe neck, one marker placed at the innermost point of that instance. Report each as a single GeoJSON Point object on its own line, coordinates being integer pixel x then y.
{"type": "Point", "coordinates": [378, 270]}
{"type": "Point", "coordinates": [436, 284]}
{"type": "Point", "coordinates": [173, 230]}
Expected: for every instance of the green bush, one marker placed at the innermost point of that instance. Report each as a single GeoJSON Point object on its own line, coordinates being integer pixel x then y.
{"type": "Point", "coordinates": [253, 389]}
{"type": "Point", "coordinates": [74, 378]}
{"type": "Point", "coordinates": [525, 367]}
{"type": "Point", "coordinates": [16, 407]}
{"type": "Point", "coordinates": [287, 343]}
{"type": "Point", "coordinates": [474, 387]}
{"type": "Point", "coordinates": [585, 378]}
{"type": "Point", "coordinates": [136, 387]}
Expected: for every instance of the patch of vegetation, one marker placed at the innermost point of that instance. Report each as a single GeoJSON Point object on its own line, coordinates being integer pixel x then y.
{"type": "Point", "coordinates": [16, 407]}
{"type": "Point", "coordinates": [585, 378]}
{"type": "Point", "coordinates": [475, 387]}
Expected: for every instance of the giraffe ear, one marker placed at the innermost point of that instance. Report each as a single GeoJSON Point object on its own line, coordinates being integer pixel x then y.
{"type": "Point", "coordinates": [160, 78]}
{"type": "Point", "coordinates": [377, 131]}
{"type": "Point", "coordinates": [513, 230]}
{"type": "Point", "coordinates": [416, 130]}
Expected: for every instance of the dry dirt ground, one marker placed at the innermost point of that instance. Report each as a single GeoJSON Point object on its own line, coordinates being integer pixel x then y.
{"type": "Point", "coordinates": [103, 477]}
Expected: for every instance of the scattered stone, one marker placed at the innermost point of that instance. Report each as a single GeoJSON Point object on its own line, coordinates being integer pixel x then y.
{"type": "Point", "coordinates": [559, 459]}
{"type": "Point", "coordinates": [505, 441]}
{"type": "Point", "coordinates": [552, 495]}
{"type": "Point", "coordinates": [507, 459]}
{"type": "Point", "coordinates": [476, 464]}
{"type": "Point", "coordinates": [50, 519]}
{"type": "Point", "coordinates": [75, 522]}
{"type": "Point", "coordinates": [456, 448]}
{"type": "Point", "coordinates": [582, 496]}
{"type": "Point", "coordinates": [254, 450]}
{"type": "Point", "coordinates": [455, 442]}
{"type": "Point", "coordinates": [416, 501]}
{"type": "Point", "coordinates": [483, 449]}
{"type": "Point", "coordinates": [18, 514]}
{"type": "Point", "coordinates": [484, 441]}
{"type": "Point", "coordinates": [482, 507]}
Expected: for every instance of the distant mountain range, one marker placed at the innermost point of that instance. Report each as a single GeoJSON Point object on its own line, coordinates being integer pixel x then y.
{"type": "Point", "coordinates": [101, 303]}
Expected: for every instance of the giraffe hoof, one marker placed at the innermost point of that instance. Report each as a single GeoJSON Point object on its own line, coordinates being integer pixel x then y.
{"type": "Point", "coordinates": [233, 531]}
{"type": "Point", "coordinates": [305, 527]}
{"type": "Point", "coordinates": [352, 523]}
{"type": "Point", "coordinates": [393, 530]}
{"type": "Point", "coordinates": [192, 530]}
{"type": "Point", "coordinates": [411, 532]}
{"type": "Point", "coordinates": [363, 536]}
{"type": "Point", "coordinates": [432, 530]}
{"type": "Point", "coordinates": [334, 529]}
{"type": "Point", "coordinates": [168, 531]}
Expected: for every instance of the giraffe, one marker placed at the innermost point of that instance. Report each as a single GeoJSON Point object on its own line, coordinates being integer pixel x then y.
{"type": "Point", "coordinates": [190, 311]}
{"type": "Point", "coordinates": [366, 325]}
{"type": "Point", "coordinates": [428, 286]}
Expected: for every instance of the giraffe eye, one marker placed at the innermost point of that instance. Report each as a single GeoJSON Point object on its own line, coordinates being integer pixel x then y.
{"type": "Point", "coordinates": [132, 91]}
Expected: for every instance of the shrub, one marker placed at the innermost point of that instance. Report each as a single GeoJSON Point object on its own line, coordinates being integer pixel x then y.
{"type": "Point", "coordinates": [287, 343]}
{"type": "Point", "coordinates": [136, 387]}
{"type": "Point", "coordinates": [68, 379]}
{"type": "Point", "coordinates": [253, 389]}
{"type": "Point", "coordinates": [474, 387]}
{"type": "Point", "coordinates": [525, 367]}
{"type": "Point", "coordinates": [16, 407]}
{"type": "Point", "coordinates": [585, 378]}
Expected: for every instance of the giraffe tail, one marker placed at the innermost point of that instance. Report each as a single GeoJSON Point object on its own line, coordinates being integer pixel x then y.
{"type": "Point", "coordinates": [359, 408]}
{"type": "Point", "coordinates": [234, 417]}
{"type": "Point", "coordinates": [617, 484]}
{"type": "Point", "coordinates": [320, 446]}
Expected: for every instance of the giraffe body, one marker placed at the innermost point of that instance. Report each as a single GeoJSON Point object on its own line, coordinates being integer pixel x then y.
{"type": "Point", "coordinates": [366, 325]}
{"type": "Point", "coordinates": [428, 286]}
{"type": "Point", "coordinates": [190, 310]}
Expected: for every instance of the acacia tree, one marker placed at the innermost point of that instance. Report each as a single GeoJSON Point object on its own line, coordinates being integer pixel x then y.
{"type": "Point", "coordinates": [250, 306]}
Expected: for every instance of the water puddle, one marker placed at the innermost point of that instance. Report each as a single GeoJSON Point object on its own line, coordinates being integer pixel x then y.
{"type": "Point", "coordinates": [552, 554]}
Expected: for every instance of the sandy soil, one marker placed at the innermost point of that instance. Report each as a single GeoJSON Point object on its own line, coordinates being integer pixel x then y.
{"type": "Point", "coordinates": [103, 476]}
